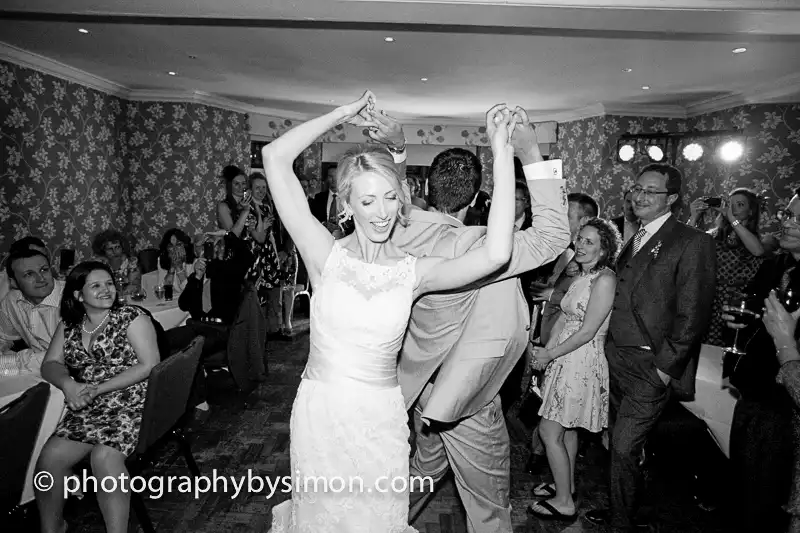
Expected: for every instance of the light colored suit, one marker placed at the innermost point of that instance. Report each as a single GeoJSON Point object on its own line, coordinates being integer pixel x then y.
{"type": "Point", "coordinates": [471, 339]}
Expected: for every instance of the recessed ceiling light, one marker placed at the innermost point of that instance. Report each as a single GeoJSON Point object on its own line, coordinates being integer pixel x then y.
{"type": "Point", "coordinates": [645, 87]}
{"type": "Point", "coordinates": [192, 56]}
{"type": "Point", "coordinates": [423, 79]}
{"type": "Point", "coordinates": [171, 73]}
{"type": "Point", "coordinates": [739, 50]}
{"type": "Point", "coordinates": [389, 39]}
{"type": "Point", "coordinates": [82, 30]}
{"type": "Point", "coordinates": [627, 70]}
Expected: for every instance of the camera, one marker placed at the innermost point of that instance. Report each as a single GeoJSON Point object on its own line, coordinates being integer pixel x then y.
{"type": "Point", "coordinates": [713, 202]}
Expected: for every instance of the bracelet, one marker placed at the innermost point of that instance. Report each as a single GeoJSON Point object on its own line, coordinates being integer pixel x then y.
{"type": "Point", "coordinates": [735, 223]}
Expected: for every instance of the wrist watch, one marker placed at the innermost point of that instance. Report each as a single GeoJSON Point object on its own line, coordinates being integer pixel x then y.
{"type": "Point", "coordinates": [735, 223]}
{"type": "Point", "coordinates": [394, 150]}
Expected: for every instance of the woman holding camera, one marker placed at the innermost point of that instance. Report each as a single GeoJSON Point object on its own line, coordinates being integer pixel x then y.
{"type": "Point", "coordinates": [740, 251]}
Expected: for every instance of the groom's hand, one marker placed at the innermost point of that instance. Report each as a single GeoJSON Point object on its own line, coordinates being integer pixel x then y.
{"type": "Point", "coordinates": [525, 140]}
{"type": "Point", "coordinates": [387, 130]}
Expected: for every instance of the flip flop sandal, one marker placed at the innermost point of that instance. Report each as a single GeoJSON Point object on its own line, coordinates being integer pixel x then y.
{"type": "Point", "coordinates": [549, 490]}
{"type": "Point", "coordinates": [552, 513]}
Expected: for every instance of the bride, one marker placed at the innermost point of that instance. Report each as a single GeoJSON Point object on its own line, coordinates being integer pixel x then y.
{"type": "Point", "coordinates": [349, 433]}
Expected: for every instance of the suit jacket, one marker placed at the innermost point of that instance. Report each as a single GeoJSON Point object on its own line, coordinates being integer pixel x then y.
{"type": "Point", "coordinates": [673, 284]}
{"type": "Point", "coordinates": [474, 336]}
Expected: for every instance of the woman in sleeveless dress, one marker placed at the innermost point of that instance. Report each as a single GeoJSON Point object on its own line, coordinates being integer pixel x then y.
{"type": "Point", "coordinates": [349, 433]}
{"type": "Point", "coordinates": [575, 389]}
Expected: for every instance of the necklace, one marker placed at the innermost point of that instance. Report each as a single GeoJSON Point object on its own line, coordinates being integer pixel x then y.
{"type": "Point", "coordinates": [83, 325]}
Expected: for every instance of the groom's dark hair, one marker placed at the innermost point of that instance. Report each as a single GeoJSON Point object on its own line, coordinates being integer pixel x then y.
{"type": "Point", "coordinates": [454, 180]}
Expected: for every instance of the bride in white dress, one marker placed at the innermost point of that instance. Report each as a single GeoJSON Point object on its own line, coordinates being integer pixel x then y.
{"type": "Point", "coordinates": [349, 433]}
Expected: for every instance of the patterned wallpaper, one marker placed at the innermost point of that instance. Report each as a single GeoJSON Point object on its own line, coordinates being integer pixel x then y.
{"type": "Point", "coordinates": [771, 161]}
{"type": "Point", "coordinates": [74, 161]}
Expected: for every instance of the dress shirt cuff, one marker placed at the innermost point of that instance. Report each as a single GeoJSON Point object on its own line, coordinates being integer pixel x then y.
{"type": "Point", "coordinates": [544, 170]}
{"type": "Point", "coordinates": [399, 158]}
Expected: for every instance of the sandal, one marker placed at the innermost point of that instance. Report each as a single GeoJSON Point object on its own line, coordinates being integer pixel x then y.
{"type": "Point", "coordinates": [548, 490]}
{"type": "Point", "coordinates": [552, 513]}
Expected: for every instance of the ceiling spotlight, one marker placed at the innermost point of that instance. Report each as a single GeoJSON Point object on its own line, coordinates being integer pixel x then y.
{"type": "Point", "coordinates": [692, 152]}
{"type": "Point", "coordinates": [82, 30]}
{"type": "Point", "coordinates": [423, 79]}
{"type": "Point", "coordinates": [389, 39]}
{"type": "Point", "coordinates": [739, 50]}
{"type": "Point", "coordinates": [731, 151]}
{"type": "Point", "coordinates": [627, 70]}
{"type": "Point", "coordinates": [626, 153]}
{"type": "Point", "coordinates": [171, 73]}
{"type": "Point", "coordinates": [645, 87]}
{"type": "Point", "coordinates": [655, 152]}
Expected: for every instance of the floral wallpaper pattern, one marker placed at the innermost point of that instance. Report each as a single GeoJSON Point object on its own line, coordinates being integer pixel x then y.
{"type": "Point", "coordinates": [74, 161]}
{"type": "Point", "coordinates": [771, 161]}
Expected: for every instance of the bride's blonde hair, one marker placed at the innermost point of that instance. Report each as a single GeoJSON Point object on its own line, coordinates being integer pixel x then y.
{"type": "Point", "coordinates": [369, 158]}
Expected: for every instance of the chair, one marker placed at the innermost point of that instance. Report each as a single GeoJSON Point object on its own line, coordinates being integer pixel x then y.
{"type": "Point", "coordinates": [148, 260]}
{"type": "Point", "coordinates": [168, 389]}
{"type": "Point", "coordinates": [304, 288]}
{"type": "Point", "coordinates": [20, 422]}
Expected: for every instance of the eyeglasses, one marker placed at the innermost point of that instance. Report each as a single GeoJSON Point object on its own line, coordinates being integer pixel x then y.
{"type": "Point", "coordinates": [788, 216]}
{"type": "Point", "coordinates": [650, 195]}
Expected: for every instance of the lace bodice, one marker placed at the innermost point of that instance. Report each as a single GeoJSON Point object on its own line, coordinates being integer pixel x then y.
{"type": "Point", "coordinates": [576, 301]}
{"type": "Point", "coordinates": [359, 314]}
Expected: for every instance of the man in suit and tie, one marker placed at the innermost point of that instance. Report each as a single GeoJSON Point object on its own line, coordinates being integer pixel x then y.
{"type": "Point", "coordinates": [627, 224]}
{"type": "Point", "coordinates": [665, 293]}
{"type": "Point", "coordinates": [461, 346]}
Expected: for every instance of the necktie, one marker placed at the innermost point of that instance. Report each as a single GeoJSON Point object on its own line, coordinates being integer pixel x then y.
{"type": "Point", "coordinates": [637, 240]}
{"type": "Point", "coordinates": [333, 211]}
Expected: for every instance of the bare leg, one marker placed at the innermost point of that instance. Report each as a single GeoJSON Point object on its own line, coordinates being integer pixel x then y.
{"type": "Point", "coordinates": [115, 505]}
{"type": "Point", "coordinates": [553, 437]}
{"type": "Point", "coordinates": [57, 458]}
{"type": "Point", "coordinates": [288, 309]}
{"type": "Point", "coordinates": [571, 444]}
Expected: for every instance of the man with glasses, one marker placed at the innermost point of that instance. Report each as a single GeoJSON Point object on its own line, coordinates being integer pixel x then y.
{"type": "Point", "coordinates": [761, 444]}
{"type": "Point", "coordinates": [665, 292]}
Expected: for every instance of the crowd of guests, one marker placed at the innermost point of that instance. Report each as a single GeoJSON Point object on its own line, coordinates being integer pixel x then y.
{"type": "Point", "coordinates": [613, 341]}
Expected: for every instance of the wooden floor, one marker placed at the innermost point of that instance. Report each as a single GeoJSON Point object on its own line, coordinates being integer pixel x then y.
{"type": "Point", "coordinates": [230, 440]}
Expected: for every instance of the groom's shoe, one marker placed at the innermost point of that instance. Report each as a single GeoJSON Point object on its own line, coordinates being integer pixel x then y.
{"type": "Point", "coordinates": [602, 518]}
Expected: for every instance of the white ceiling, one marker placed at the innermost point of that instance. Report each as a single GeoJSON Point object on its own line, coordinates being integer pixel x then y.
{"type": "Point", "coordinates": [557, 59]}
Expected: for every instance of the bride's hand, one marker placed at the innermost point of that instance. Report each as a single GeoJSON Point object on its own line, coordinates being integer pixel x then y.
{"type": "Point", "coordinates": [499, 127]}
{"type": "Point", "coordinates": [358, 113]}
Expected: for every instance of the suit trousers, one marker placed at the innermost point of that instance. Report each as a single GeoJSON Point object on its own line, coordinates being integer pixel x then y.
{"type": "Point", "coordinates": [637, 399]}
{"type": "Point", "coordinates": [478, 450]}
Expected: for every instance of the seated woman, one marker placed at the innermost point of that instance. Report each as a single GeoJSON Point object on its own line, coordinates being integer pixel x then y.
{"type": "Point", "coordinates": [175, 259]}
{"type": "Point", "coordinates": [111, 248]}
{"type": "Point", "coordinates": [110, 348]}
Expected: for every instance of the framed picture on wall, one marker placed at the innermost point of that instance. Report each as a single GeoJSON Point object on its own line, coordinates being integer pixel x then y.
{"type": "Point", "coordinates": [256, 161]}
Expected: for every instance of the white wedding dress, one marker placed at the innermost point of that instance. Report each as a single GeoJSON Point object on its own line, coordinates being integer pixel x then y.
{"type": "Point", "coordinates": [349, 421]}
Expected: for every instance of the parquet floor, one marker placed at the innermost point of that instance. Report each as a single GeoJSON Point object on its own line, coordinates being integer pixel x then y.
{"type": "Point", "coordinates": [229, 440]}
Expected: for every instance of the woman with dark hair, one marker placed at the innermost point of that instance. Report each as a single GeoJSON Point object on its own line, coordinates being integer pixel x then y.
{"type": "Point", "coordinates": [110, 348]}
{"type": "Point", "coordinates": [113, 249]}
{"type": "Point", "coordinates": [740, 250]}
{"type": "Point", "coordinates": [175, 259]}
{"type": "Point", "coordinates": [575, 388]}
{"type": "Point", "coordinates": [232, 212]}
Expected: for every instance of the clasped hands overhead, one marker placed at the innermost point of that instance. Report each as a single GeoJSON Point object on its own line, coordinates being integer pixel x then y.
{"type": "Point", "coordinates": [501, 122]}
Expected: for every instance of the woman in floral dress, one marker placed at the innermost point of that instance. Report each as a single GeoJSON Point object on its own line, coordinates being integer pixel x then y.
{"type": "Point", "coordinates": [110, 350]}
{"type": "Point", "coordinates": [575, 388]}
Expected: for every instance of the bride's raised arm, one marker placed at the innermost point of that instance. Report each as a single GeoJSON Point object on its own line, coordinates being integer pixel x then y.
{"type": "Point", "coordinates": [439, 274]}
{"type": "Point", "coordinates": [313, 240]}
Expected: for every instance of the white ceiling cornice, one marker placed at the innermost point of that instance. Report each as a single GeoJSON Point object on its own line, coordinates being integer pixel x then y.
{"type": "Point", "coordinates": [784, 90]}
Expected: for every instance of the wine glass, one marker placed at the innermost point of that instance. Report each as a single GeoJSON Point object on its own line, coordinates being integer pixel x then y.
{"type": "Point", "coordinates": [160, 292]}
{"type": "Point", "coordinates": [739, 309]}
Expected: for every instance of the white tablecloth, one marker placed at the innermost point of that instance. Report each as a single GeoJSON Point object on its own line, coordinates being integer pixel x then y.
{"type": "Point", "coordinates": [714, 400]}
{"type": "Point", "coordinates": [10, 389]}
{"type": "Point", "coordinates": [166, 312]}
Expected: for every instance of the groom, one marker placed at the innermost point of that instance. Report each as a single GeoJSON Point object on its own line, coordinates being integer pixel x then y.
{"type": "Point", "coordinates": [460, 347]}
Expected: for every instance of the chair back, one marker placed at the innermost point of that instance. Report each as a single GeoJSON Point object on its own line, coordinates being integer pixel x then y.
{"type": "Point", "coordinates": [168, 389]}
{"type": "Point", "coordinates": [148, 260]}
{"type": "Point", "coordinates": [302, 280]}
{"type": "Point", "coordinates": [20, 421]}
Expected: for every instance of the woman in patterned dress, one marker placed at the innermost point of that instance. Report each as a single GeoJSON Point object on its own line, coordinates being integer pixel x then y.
{"type": "Point", "coordinates": [110, 348]}
{"type": "Point", "coordinates": [740, 251]}
{"type": "Point", "coordinates": [575, 389]}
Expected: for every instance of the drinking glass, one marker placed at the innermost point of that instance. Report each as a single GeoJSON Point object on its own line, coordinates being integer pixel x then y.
{"type": "Point", "coordinates": [168, 292]}
{"type": "Point", "coordinates": [790, 298]}
{"type": "Point", "coordinates": [739, 307]}
{"type": "Point", "coordinates": [160, 292]}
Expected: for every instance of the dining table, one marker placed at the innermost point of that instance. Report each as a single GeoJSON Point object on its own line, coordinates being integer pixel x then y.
{"type": "Point", "coordinates": [715, 398]}
{"type": "Point", "coordinates": [11, 388]}
{"type": "Point", "coordinates": [167, 312]}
